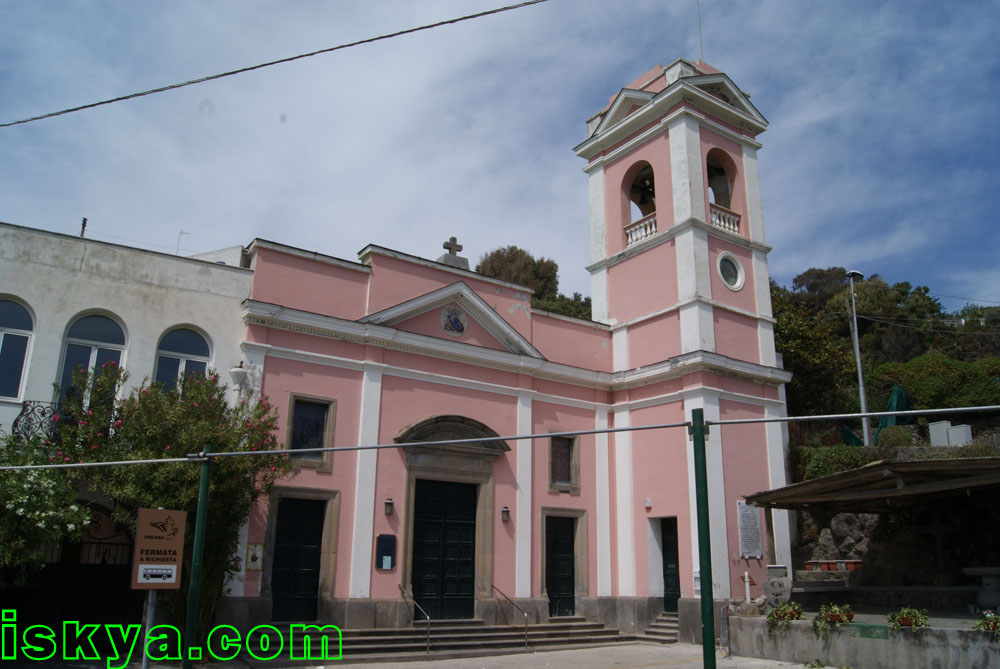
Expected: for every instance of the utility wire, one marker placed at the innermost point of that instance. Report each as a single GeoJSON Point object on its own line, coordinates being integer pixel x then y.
{"type": "Point", "coordinates": [974, 300]}
{"type": "Point", "coordinates": [242, 70]}
{"type": "Point", "coordinates": [198, 457]}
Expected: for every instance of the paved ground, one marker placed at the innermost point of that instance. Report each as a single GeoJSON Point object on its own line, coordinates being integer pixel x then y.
{"type": "Point", "coordinates": [619, 656]}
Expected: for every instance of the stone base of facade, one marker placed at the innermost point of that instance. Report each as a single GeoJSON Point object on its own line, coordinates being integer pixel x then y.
{"type": "Point", "coordinates": [243, 613]}
{"type": "Point", "coordinates": [689, 618]}
{"type": "Point", "coordinates": [630, 615]}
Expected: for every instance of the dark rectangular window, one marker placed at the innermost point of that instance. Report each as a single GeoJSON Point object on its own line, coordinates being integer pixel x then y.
{"type": "Point", "coordinates": [167, 369]}
{"type": "Point", "coordinates": [561, 467]}
{"type": "Point", "coordinates": [12, 351]}
{"type": "Point", "coordinates": [308, 426]}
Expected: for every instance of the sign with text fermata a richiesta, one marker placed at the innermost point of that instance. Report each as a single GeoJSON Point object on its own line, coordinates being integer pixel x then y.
{"type": "Point", "coordinates": [159, 550]}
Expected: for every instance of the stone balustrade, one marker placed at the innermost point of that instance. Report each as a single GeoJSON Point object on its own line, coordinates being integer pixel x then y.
{"type": "Point", "coordinates": [724, 218]}
{"type": "Point", "coordinates": [641, 229]}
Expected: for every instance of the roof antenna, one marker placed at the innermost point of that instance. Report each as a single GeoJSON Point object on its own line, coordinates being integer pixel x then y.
{"type": "Point", "coordinates": [178, 251]}
{"type": "Point", "coordinates": [83, 228]}
{"type": "Point", "coordinates": [701, 45]}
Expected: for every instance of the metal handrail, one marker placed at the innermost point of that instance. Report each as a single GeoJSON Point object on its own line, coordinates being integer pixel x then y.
{"type": "Point", "coordinates": [523, 612]}
{"type": "Point", "coordinates": [407, 597]}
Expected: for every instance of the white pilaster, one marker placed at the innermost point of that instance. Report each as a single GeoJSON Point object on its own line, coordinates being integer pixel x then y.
{"type": "Point", "coordinates": [598, 236]}
{"type": "Point", "coordinates": [686, 177]}
{"type": "Point", "coordinates": [697, 322]}
{"type": "Point", "coordinates": [718, 534]}
{"type": "Point", "coordinates": [762, 288]}
{"type": "Point", "coordinates": [619, 349]}
{"type": "Point", "coordinates": [755, 209]}
{"type": "Point", "coordinates": [623, 506]}
{"type": "Point", "coordinates": [364, 491]}
{"type": "Point", "coordinates": [603, 492]}
{"type": "Point", "coordinates": [522, 530]}
{"type": "Point", "coordinates": [599, 294]}
{"type": "Point", "coordinates": [777, 452]}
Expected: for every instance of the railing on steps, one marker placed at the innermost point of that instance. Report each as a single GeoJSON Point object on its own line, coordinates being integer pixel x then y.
{"type": "Point", "coordinates": [406, 596]}
{"type": "Point", "coordinates": [523, 613]}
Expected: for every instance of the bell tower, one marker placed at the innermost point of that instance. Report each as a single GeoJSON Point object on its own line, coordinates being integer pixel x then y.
{"type": "Point", "coordinates": [678, 268]}
{"type": "Point", "coordinates": [676, 226]}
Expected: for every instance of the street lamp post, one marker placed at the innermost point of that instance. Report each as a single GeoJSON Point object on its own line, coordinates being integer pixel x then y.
{"type": "Point", "coordinates": [852, 275]}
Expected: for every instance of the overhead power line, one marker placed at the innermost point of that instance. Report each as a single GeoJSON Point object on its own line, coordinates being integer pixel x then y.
{"type": "Point", "coordinates": [967, 299]}
{"type": "Point", "coordinates": [242, 70]}
{"type": "Point", "coordinates": [206, 455]}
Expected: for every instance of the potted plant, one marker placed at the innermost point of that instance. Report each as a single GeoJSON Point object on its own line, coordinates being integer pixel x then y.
{"type": "Point", "coordinates": [907, 617]}
{"type": "Point", "coordinates": [988, 622]}
{"type": "Point", "coordinates": [781, 615]}
{"type": "Point", "coordinates": [831, 614]}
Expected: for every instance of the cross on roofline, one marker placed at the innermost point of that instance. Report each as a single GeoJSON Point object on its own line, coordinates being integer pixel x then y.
{"type": "Point", "coordinates": [453, 246]}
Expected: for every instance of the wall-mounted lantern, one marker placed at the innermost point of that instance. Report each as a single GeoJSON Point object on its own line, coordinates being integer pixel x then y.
{"type": "Point", "coordinates": [388, 506]}
{"type": "Point", "coordinates": [505, 514]}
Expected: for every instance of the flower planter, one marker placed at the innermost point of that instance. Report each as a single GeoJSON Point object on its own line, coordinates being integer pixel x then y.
{"type": "Point", "coordinates": [836, 618]}
{"type": "Point", "coordinates": [905, 621]}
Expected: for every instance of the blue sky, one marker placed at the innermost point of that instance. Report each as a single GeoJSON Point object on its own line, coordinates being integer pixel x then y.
{"type": "Point", "coordinates": [881, 155]}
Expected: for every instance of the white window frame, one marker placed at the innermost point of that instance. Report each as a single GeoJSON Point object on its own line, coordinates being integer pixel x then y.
{"type": "Point", "coordinates": [740, 279]}
{"type": "Point", "coordinates": [184, 358]}
{"type": "Point", "coordinates": [94, 347]}
{"type": "Point", "coordinates": [27, 350]}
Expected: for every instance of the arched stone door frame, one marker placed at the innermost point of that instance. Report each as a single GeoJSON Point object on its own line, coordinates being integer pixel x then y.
{"type": "Point", "coordinates": [460, 463]}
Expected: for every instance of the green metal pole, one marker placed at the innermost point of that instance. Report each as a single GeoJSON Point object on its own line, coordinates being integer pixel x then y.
{"type": "Point", "coordinates": [191, 628]}
{"type": "Point", "coordinates": [698, 430]}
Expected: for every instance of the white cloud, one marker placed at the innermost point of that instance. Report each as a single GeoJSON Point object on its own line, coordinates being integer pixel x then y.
{"type": "Point", "coordinates": [881, 150]}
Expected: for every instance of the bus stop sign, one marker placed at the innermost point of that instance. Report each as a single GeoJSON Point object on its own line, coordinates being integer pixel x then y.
{"type": "Point", "coordinates": [159, 550]}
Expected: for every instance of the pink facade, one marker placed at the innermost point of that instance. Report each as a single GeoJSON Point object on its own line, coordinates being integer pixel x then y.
{"type": "Point", "coordinates": [397, 349]}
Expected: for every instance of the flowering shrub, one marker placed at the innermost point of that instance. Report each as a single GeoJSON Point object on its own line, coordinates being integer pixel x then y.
{"type": "Point", "coordinates": [37, 509]}
{"type": "Point", "coordinates": [153, 423]}
{"type": "Point", "coordinates": [988, 621]}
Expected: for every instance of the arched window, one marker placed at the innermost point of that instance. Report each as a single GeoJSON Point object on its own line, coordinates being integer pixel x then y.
{"type": "Point", "coordinates": [640, 190]}
{"type": "Point", "coordinates": [720, 172]}
{"type": "Point", "coordinates": [92, 342]}
{"type": "Point", "coordinates": [719, 182]}
{"type": "Point", "coordinates": [181, 352]}
{"type": "Point", "coordinates": [642, 193]}
{"type": "Point", "coordinates": [15, 331]}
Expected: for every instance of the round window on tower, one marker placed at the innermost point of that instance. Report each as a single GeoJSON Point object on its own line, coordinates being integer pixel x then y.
{"type": "Point", "coordinates": [731, 271]}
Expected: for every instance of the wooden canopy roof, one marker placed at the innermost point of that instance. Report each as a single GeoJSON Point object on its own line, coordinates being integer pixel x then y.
{"type": "Point", "coordinates": [885, 486]}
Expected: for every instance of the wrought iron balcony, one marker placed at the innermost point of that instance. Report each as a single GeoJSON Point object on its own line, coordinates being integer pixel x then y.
{"type": "Point", "coordinates": [35, 419]}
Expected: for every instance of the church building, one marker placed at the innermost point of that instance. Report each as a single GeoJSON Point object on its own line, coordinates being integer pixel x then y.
{"type": "Point", "coordinates": [397, 349]}
{"type": "Point", "coordinates": [421, 356]}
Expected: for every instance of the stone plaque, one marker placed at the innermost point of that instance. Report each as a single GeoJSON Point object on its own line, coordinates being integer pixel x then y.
{"type": "Point", "coordinates": [751, 544]}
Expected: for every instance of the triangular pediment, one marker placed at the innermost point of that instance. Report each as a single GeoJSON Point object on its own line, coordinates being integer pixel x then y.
{"type": "Point", "coordinates": [712, 89]}
{"type": "Point", "coordinates": [627, 102]}
{"type": "Point", "coordinates": [471, 307]}
{"type": "Point", "coordinates": [722, 88]}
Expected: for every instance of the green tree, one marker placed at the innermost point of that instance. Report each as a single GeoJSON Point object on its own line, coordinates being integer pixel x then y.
{"type": "Point", "coordinates": [38, 508]}
{"type": "Point", "coordinates": [514, 264]}
{"type": "Point", "coordinates": [821, 361]}
{"type": "Point", "coordinates": [152, 424]}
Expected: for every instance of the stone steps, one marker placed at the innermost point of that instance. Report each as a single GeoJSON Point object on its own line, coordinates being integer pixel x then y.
{"type": "Point", "coordinates": [664, 629]}
{"type": "Point", "coordinates": [451, 639]}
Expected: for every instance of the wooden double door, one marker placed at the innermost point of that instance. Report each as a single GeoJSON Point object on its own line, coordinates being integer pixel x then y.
{"type": "Point", "coordinates": [444, 548]}
{"type": "Point", "coordinates": [295, 568]}
{"type": "Point", "coordinates": [560, 565]}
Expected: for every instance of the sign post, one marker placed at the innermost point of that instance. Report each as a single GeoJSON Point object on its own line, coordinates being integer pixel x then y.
{"type": "Point", "coordinates": [158, 556]}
